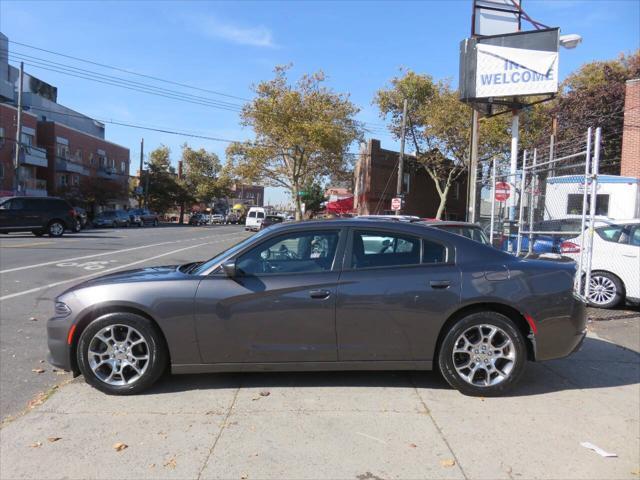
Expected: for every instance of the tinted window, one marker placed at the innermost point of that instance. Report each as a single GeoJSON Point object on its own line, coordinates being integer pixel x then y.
{"type": "Point", "coordinates": [634, 238]}
{"type": "Point", "coordinates": [381, 249]}
{"type": "Point", "coordinates": [433, 252]}
{"type": "Point", "coordinates": [473, 233]}
{"type": "Point", "coordinates": [17, 204]}
{"type": "Point", "coordinates": [252, 214]}
{"type": "Point", "coordinates": [292, 253]}
{"type": "Point", "coordinates": [260, 214]}
{"type": "Point", "coordinates": [610, 233]}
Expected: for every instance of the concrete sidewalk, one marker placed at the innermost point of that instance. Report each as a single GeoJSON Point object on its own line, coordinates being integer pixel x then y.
{"type": "Point", "coordinates": [360, 425]}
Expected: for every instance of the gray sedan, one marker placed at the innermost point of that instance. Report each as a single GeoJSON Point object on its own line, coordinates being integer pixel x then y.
{"type": "Point", "coordinates": [327, 295]}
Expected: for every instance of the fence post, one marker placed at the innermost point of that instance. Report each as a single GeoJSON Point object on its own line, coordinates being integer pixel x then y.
{"type": "Point", "coordinates": [587, 165]}
{"type": "Point", "coordinates": [532, 196]}
{"type": "Point", "coordinates": [493, 199]}
{"type": "Point", "coordinates": [592, 209]}
{"type": "Point", "coordinates": [521, 199]}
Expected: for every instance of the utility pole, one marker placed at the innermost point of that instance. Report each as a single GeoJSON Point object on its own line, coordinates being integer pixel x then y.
{"type": "Point", "coordinates": [513, 167]}
{"type": "Point", "coordinates": [401, 157]}
{"type": "Point", "coordinates": [16, 161]}
{"type": "Point", "coordinates": [141, 170]}
{"type": "Point", "coordinates": [472, 178]}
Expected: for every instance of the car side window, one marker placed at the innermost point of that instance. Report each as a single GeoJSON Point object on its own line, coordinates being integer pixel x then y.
{"type": "Point", "coordinates": [297, 252]}
{"type": "Point", "coordinates": [372, 249]}
{"type": "Point", "coordinates": [610, 233]}
{"type": "Point", "coordinates": [634, 238]}
{"type": "Point", "coordinates": [18, 204]}
{"type": "Point", "coordinates": [260, 214]}
{"type": "Point", "coordinates": [433, 252]}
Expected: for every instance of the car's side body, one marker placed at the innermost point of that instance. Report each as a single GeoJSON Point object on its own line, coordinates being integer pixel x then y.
{"type": "Point", "coordinates": [616, 249]}
{"type": "Point", "coordinates": [374, 317]}
{"type": "Point", "coordinates": [24, 214]}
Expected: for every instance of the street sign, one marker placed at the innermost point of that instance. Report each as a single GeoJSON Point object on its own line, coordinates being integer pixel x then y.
{"type": "Point", "coordinates": [396, 203]}
{"type": "Point", "coordinates": [503, 191]}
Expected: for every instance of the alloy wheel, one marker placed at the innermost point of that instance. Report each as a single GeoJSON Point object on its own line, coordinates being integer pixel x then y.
{"type": "Point", "coordinates": [56, 229]}
{"type": "Point", "coordinates": [484, 355]}
{"type": "Point", "coordinates": [118, 355]}
{"type": "Point", "coordinates": [602, 290]}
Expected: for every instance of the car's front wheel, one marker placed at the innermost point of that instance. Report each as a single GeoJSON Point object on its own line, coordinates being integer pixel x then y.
{"type": "Point", "coordinates": [483, 354]}
{"type": "Point", "coordinates": [77, 226]}
{"type": "Point", "coordinates": [605, 290]}
{"type": "Point", "coordinates": [121, 353]}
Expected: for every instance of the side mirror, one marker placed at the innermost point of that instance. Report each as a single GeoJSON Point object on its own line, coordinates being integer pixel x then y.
{"type": "Point", "coordinates": [229, 268]}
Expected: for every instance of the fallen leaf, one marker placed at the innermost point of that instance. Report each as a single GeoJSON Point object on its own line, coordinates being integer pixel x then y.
{"type": "Point", "coordinates": [265, 393]}
{"type": "Point", "coordinates": [153, 465]}
{"type": "Point", "coordinates": [449, 462]}
{"type": "Point", "coordinates": [413, 445]}
{"type": "Point", "coordinates": [119, 446]}
{"type": "Point", "coordinates": [36, 444]}
{"type": "Point", "coordinates": [244, 476]}
{"type": "Point", "coordinates": [37, 370]}
{"type": "Point", "coordinates": [171, 463]}
{"type": "Point", "coordinates": [54, 439]}
{"type": "Point", "coordinates": [33, 319]}
{"type": "Point", "coordinates": [636, 473]}
{"type": "Point", "coordinates": [41, 361]}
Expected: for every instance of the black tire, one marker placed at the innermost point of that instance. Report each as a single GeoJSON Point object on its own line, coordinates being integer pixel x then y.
{"type": "Point", "coordinates": [446, 356]}
{"type": "Point", "coordinates": [56, 228]}
{"type": "Point", "coordinates": [77, 226]}
{"type": "Point", "coordinates": [114, 224]}
{"type": "Point", "coordinates": [605, 279]}
{"type": "Point", "coordinates": [126, 224]}
{"type": "Point", "coordinates": [38, 233]}
{"type": "Point", "coordinates": [157, 353]}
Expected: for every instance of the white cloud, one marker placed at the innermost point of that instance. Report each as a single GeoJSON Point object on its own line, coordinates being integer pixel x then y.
{"type": "Point", "coordinates": [258, 36]}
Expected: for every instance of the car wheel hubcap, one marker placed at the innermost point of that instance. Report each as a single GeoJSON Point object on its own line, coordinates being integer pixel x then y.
{"type": "Point", "coordinates": [602, 290]}
{"type": "Point", "coordinates": [118, 355]}
{"type": "Point", "coordinates": [56, 228]}
{"type": "Point", "coordinates": [484, 355]}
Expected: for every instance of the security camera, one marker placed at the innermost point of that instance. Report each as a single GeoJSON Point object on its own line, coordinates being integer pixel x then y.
{"type": "Point", "coordinates": [571, 40]}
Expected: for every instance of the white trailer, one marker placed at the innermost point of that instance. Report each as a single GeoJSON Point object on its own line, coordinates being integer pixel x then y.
{"type": "Point", "coordinates": [617, 197]}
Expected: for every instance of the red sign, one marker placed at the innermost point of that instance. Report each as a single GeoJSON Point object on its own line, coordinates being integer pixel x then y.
{"type": "Point", "coordinates": [396, 203]}
{"type": "Point", "coordinates": [503, 191]}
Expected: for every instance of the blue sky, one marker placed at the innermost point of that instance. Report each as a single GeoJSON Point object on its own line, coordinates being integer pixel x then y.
{"type": "Point", "coordinates": [228, 46]}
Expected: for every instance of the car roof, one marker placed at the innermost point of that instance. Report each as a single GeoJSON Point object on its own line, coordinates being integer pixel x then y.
{"type": "Point", "coordinates": [448, 223]}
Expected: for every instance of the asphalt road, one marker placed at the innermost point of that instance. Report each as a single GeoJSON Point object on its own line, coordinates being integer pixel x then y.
{"type": "Point", "coordinates": [34, 270]}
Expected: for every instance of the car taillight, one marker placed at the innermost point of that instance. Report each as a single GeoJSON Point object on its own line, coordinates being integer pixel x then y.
{"type": "Point", "coordinates": [72, 213]}
{"type": "Point", "coordinates": [569, 247]}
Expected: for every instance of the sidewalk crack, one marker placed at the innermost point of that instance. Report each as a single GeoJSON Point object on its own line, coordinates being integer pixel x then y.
{"type": "Point", "coordinates": [222, 427]}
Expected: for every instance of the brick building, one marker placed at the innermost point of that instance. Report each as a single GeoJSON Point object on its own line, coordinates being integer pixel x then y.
{"type": "Point", "coordinates": [630, 161]}
{"type": "Point", "coordinates": [376, 175]}
{"type": "Point", "coordinates": [62, 152]}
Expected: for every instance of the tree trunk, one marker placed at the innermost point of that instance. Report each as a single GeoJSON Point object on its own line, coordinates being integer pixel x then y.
{"type": "Point", "coordinates": [298, 204]}
{"type": "Point", "coordinates": [443, 202]}
{"type": "Point", "coordinates": [180, 220]}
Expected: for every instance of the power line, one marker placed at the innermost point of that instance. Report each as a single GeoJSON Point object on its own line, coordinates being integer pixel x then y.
{"type": "Point", "coordinates": [131, 72]}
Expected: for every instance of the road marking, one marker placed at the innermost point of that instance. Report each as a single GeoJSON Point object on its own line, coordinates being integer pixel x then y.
{"type": "Point", "coordinates": [25, 245]}
{"type": "Point", "coordinates": [51, 285]}
{"type": "Point", "coordinates": [92, 265]}
{"type": "Point", "coordinates": [37, 265]}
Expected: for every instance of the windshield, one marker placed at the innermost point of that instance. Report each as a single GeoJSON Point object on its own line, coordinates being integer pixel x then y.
{"type": "Point", "coordinates": [107, 214]}
{"type": "Point", "coordinates": [236, 248]}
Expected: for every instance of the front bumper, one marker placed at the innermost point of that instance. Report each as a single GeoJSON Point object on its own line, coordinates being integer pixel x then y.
{"type": "Point", "coordinates": [59, 350]}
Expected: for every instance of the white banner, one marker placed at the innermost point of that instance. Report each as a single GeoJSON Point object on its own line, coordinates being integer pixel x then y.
{"type": "Point", "coordinates": [505, 71]}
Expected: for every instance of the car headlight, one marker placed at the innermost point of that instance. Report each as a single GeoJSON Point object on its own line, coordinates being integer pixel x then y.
{"type": "Point", "coordinates": [62, 309]}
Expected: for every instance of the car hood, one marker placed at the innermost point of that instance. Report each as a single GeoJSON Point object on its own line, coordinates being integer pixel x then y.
{"type": "Point", "coordinates": [148, 274]}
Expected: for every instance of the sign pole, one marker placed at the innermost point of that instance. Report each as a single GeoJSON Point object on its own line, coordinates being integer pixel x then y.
{"type": "Point", "coordinates": [515, 126]}
{"type": "Point", "coordinates": [473, 169]}
{"type": "Point", "coordinates": [401, 157]}
{"type": "Point", "coordinates": [493, 199]}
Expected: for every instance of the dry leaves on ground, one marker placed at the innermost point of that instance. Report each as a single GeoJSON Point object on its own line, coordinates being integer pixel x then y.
{"type": "Point", "coordinates": [449, 462]}
{"type": "Point", "coordinates": [36, 444]}
{"type": "Point", "coordinates": [53, 439]}
{"type": "Point", "coordinates": [119, 446]}
{"type": "Point", "coordinates": [171, 463]}
{"type": "Point", "coordinates": [37, 370]}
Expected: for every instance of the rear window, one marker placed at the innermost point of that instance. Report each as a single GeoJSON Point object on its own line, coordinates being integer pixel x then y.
{"type": "Point", "coordinates": [473, 233]}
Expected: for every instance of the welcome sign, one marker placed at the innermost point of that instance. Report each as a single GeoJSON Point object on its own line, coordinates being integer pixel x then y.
{"type": "Point", "coordinates": [505, 71]}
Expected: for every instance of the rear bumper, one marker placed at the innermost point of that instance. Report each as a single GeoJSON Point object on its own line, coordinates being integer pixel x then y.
{"type": "Point", "coordinates": [563, 334]}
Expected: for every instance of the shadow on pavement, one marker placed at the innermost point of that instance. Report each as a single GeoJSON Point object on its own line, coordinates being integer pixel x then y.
{"type": "Point", "coordinates": [598, 364]}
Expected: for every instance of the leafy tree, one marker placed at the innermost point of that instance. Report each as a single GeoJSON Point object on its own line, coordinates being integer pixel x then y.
{"type": "Point", "coordinates": [438, 127]}
{"type": "Point", "coordinates": [164, 189]}
{"type": "Point", "coordinates": [312, 197]}
{"type": "Point", "coordinates": [204, 175]}
{"type": "Point", "coordinates": [302, 133]}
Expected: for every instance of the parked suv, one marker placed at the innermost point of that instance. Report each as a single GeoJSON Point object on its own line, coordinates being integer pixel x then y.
{"type": "Point", "coordinates": [38, 215]}
{"type": "Point", "coordinates": [145, 217]}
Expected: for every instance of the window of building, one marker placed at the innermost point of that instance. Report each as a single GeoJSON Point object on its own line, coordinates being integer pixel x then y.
{"type": "Point", "coordinates": [92, 159]}
{"type": "Point", "coordinates": [26, 139]}
{"type": "Point", "coordinates": [1, 170]}
{"type": "Point", "coordinates": [76, 180]}
{"type": "Point", "coordinates": [62, 151]}
{"type": "Point", "coordinates": [456, 191]}
{"type": "Point", "coordinates": [77, 156]}
{"type": "Point", "coordinates": [372, 249]}
{"type": "Point", "coordinates": [123, 167]}
{"type": "Point", "coordinates": [299, 252]}
{"type": "Point", "coordinates": [63, 180]}
{"type": "Point", "coordinates": [1, 136]}
{"type": "Point", "coordinates": [574, 204]}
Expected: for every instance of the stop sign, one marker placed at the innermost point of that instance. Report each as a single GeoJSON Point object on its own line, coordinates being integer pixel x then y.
{"type": "Point", "coordinates": [503, 191]}
{"type": "Point", "coordinates": [396, 203]}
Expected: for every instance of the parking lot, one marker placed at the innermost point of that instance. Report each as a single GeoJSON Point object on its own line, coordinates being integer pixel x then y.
{"type": "Point", "coordinates": [359, 425]}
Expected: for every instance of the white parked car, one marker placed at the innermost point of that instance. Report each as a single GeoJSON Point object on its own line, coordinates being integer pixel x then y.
{"type": "Point", "coordinates": [255, 217]}
{"type": "Point", "coordinates": [217, 218]}
{"type": "Point", "coordinates": [615, 264]}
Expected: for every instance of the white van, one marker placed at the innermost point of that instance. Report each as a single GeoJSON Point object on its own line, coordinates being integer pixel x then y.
{"type": "Point", "coordinates": [254, 218]}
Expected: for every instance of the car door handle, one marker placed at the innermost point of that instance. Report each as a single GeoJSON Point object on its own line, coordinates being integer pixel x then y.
{"type": "Point", "coordinates": [630, 255]}
{"type": "Point", "coordinates": [440, 284]}
{"type": "Point", "coordinates": [319, 293]}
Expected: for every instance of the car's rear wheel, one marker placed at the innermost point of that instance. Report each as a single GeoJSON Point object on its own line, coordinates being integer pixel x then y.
{"type": "Point", "coordinates": [77, 226]}
{"type": "Point", "coordinates": [605, 290]}
{"type": "Point", "coordinates": [121, 353]}
{"type": "Point", "coordinates": [483, 354]}
{"type": "Point", "coordinates": [55, 228]}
